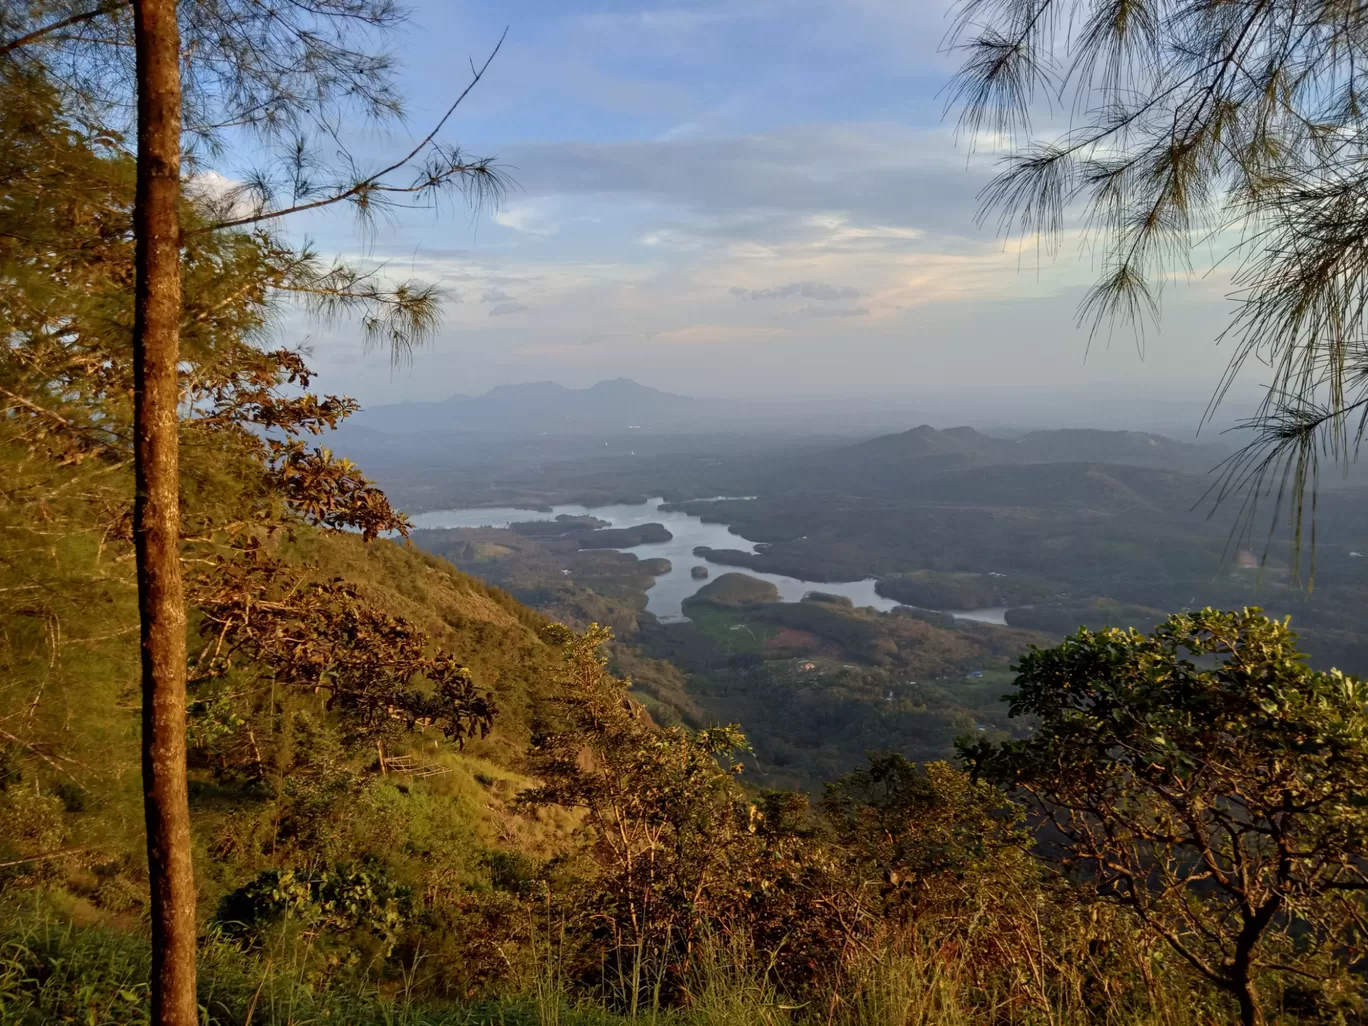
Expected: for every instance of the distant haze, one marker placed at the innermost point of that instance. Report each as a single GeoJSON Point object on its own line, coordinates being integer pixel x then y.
{"type": "Point", "coordinates": [622, 405]}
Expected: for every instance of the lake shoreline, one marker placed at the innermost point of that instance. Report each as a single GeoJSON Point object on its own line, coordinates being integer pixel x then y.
{"type": "Point", "coordinates": [665, 598]}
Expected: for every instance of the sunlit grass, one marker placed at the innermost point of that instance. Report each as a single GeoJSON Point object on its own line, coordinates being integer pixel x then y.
{"type": "Point", "coordinates": [52, 971]}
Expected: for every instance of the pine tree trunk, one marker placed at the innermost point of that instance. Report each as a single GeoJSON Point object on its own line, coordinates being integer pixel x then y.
{"type": "Point", "coordinates": [156, 515]}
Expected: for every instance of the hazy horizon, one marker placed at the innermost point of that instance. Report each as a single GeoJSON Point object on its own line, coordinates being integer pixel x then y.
{"type": "Point", "coordinates": [997, 410]}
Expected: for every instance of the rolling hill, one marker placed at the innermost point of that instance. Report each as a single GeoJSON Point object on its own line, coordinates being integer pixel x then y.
{"type": "Point", "coordinates": [924, 451]}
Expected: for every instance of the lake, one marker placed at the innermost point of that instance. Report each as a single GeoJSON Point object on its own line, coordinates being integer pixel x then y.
{"type": "Point", "coordinates": [665, 598]}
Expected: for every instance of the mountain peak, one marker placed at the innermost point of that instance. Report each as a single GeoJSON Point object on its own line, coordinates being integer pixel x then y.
{"type": "Point", "coordinates": [964, 433]}
{"type": "Point", "coordinates": [622, 386]}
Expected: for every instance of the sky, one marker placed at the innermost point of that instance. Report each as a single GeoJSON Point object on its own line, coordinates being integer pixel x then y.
{"type": "Point", "coordinates": [732, 198]}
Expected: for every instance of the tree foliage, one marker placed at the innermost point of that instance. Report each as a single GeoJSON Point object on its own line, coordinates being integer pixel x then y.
{"type": "Point", "coordinates": [263, 617]}
{"type": "Point", "coordinates": [1206, 779]}
{"type": "Point", "coordinates": [926, 831]}
{"type": "Point", "coordinates": [683, 857]}
{"type": "Point", "coordinates": [667, 819]}
{"type": "Point", "coordinates": [280, 79]}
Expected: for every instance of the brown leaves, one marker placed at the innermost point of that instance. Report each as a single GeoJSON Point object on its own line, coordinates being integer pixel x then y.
{"type": "Point", "coordinates": [330, 492]}
{"type": "Point", "coordinates": [266, 618]}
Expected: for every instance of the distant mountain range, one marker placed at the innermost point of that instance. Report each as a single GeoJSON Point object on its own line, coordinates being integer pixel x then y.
{"type": "Point", "coordinates": [623, 406]}
{"type": "Point", "coordinates": [526, 439]}
{"type": "Point", "coordinates": [543, 406]}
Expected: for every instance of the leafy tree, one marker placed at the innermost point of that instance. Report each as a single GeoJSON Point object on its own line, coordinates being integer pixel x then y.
{"type": "Point", "coordinates": [67, 383]}
{"type": "Point", "coordinates": [929, 833]}
{"type": "Point", "coordinates": [1209, 782]}
{"type": "Point", "coordinates": [680, 855]}
{"type": "Point", "coordinates": [336, 901]}
{"type": "Point", "coordinates": [1236, 128]}
{"type": "Point", "coordinates": [267, 618]}
{"type": "Point", "coordinates": [287, 71]}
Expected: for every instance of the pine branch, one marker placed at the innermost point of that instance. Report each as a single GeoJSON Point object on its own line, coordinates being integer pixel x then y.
{"type": "Point", "coordinates": [64, 23]}
{"type": "Point", "coordinates": [479, 171]}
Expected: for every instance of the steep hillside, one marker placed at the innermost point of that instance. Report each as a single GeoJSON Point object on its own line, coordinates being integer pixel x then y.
{"type": "Point", "coordinates": [69, 723]}
{"type": "Point", "coordinates": [487, 629]}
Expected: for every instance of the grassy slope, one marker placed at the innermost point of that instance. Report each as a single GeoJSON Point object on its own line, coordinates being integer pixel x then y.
{"type": "Point", "coordinates": [494, 634]}
{"type": "Point", "coordinates": [69, 709]}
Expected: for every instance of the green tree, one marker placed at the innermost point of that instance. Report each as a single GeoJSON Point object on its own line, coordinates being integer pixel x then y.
{"type": "Point", "coordinates": [929, 833]}
{"type": "Point", "coordinates": [1207, 780]}
{"type": "Point", "coordinates": [1207, 127]}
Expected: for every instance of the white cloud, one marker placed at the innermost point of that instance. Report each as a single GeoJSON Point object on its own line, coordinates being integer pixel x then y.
{"type": "Point", "coordinates": [530, 219]}
{"type": "Point", "coordinates": [818, 290]}
{"type": "Point", "coordinates": [812, 310]}
{"type": "Point", "coordinates": [690, 178]}
{"type": "Point", "coordinates": [228, 197]}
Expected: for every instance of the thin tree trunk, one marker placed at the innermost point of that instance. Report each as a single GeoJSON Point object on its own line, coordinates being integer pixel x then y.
{"type": "Point", "coordinates": [1251, 1011]}
{"type": "Point", "coordinates": [156, 515]}
{"type": "Point", "coordinates": [1242, 965]}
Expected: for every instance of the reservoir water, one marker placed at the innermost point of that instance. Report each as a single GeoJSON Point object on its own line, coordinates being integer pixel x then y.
{"type": "Point", "coordinates": [666, 596]}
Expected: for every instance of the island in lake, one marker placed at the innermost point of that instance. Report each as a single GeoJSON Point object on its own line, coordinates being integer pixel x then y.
{"type": "Point", "coordinates": [626, 537]}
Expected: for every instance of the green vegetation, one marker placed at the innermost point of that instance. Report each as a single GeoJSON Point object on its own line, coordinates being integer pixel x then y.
{"type": "Point", "coordinates": [818, 685]}
{"type": "Point", "coordinates": [738, 658]}
{"type": "Point", "coordinates": [1073, 521]}
{"type": "Point", "coordinates": [552, 574]}
{"type": "Point", "coordinates": [938, 590]}
{"type": "Point", "coordinates": [676, 893]}
{"type": "Point", "coordinates": [1066, 617]}
{"type": "Point", "coordinates": [1206, 780]}
{"type": "Point", "coordinates": [53, 971]}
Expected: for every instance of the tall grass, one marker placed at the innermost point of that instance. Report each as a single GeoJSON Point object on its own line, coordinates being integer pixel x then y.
{"type": "Point", "coordinates": [53, 972]}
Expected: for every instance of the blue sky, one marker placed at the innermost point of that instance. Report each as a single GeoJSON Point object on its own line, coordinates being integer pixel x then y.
{"type": "Point", "coordinates": [733, 197]}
